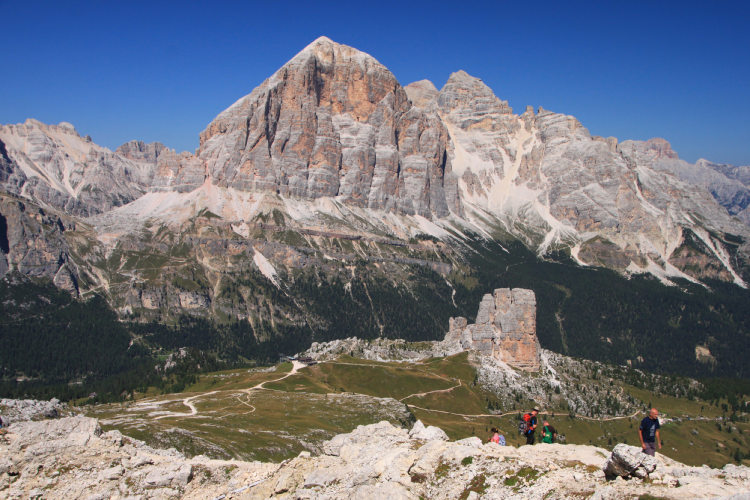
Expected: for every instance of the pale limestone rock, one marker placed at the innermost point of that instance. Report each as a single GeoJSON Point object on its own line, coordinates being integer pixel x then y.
{"type": "Point", "coordinates": [598, 192]}
{"type": "Point", "coordinates": [141, 151]}
{"type": "Point", "coordinates": [374, 461]}
{"type": "Point", "coordinates": [427, 458]}
{"type": "Point", "coordinates": [429, 433]}
{"type": "Point", "coordinates": [111, 474]}
{"type": "Point", "coordinates": [36, 243]}
{"type": "Point", "coordinates": [332, 122]}
{"type": "Point", "coordinates": [383, 491]}
{"type": "Point", "coordinates": [626, 461]}
{"type": "Point", "coordinates": [505, 328]}
{"type": "Point", "coordinates": [473, 442]}
{"type": "Point", "coordinates": [22, 410]}
{"type": "Point", "coordinates": [169, 475]}
{"type": "Point", "coordinates": [57, 166]}
{"type": "Point", "coordinates": [422, 94]}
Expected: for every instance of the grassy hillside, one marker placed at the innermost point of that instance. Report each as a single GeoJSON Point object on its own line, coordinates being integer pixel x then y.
{"type": "Point", "coordinates": [302, 410]}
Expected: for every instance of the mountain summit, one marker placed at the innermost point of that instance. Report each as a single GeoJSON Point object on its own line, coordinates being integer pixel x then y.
{"type": "Point", "coordinates": [332, 122]}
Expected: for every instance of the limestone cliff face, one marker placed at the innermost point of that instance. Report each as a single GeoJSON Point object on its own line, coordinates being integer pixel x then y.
{"type": "Point", "coordinates": [333, 127]}
{"type": "Point", "coordinates": [167, 169]}
{"type": "Point", "coordinates": [33, 243]}
{"type": "Point", "coordinates": [332, 122]}
{"type": "Point", "coordinates": [616, 205]}
{"type": "Point", "coordinates": [54, 165]}
{"type": "Point", "coordinates": [505, 328]}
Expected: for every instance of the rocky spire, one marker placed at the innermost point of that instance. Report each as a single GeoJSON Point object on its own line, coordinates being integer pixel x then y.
{"type": "Point", "coordinates": [505, 328]}
{"type": "Point", "coordinates": [465, 92]}
{"type": "Point", "coordinates": [422, 93]}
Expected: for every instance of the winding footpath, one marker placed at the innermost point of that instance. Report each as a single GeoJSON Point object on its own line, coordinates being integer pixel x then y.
{"type": "Point", "coordinates": [516, 412]}
{"type": "Point", "coordinates": [296, 366]}
{"type": "Point", "coordinates": [482, 415]}
{"type": "Point", "coordinates": [187, 402]}
{"type": "Point", "coordinates": [419, 394]}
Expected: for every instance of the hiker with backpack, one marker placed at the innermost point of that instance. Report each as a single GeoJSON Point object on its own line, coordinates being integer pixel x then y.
{"type": "Point", "coordinates": [549, 433]}
{"type": "Point", "coordinates": [528, 425]}
{"type": "Point", "coordinates": [497, 437]}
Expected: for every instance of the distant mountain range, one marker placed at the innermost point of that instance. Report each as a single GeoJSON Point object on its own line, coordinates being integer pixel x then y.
{"type": "Point", "coordinates": [332, 176]}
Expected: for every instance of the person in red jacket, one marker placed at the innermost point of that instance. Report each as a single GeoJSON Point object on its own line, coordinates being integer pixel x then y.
{"type": "Point", "coordinates": [531, 427]}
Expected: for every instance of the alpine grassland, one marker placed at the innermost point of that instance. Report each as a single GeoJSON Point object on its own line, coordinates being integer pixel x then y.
{"type": "Point", "coordinates": [236, 416]}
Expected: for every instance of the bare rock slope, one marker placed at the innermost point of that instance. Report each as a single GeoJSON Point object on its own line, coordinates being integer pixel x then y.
{"type": "Point", "coordinates": [72, 458]}
{"type": "Point", "coordinates": [331, 122]}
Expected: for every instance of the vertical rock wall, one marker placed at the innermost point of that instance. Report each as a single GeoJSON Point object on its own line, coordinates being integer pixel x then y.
{"type": "Point", "coordinates": [505, 328]}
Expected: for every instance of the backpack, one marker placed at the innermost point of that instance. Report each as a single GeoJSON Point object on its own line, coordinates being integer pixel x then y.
{"type": "Point", "coordinates": [501, 441]}
{"type": "Point", "coordinates": [524, 424]}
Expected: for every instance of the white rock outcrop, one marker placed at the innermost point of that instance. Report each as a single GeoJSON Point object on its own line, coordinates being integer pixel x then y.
{"type": "Point", "coordinates": [72, 458]}
{"type": "Point", "coordinates": [626, 461]}
{"type": "Point", "coordinates": [19, 410]}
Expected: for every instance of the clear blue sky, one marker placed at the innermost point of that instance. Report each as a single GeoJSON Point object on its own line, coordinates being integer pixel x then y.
{"type": "Point", "coordinates": [161, 71]}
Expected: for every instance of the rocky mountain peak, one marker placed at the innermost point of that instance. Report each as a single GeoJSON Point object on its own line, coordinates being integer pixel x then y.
{"type": "Point", "coordinates": [422, 93]}
{"type": "Point", "coordinates": [335, 123]}
{"type": "Point", "coordinates": [342, 77]}
{"type": "Point", "coordinates": [32, 124]}
{"type": "Point", "coordinates": [660, 148]}
{"type": "Point", "coordinates": [141, 151]}
{"type": "Point", "coordinates": [327, 51]}
{"type": "Point", "coordinates": [463, 91]}
{"type": "Point", "coordinates": [331, 122]}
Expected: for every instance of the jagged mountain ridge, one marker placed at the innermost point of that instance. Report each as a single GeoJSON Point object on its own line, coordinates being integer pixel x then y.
{"type": "Point", "coordinates": [334, 124]}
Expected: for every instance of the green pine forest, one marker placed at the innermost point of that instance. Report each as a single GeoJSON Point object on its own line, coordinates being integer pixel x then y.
{"type": "Point", "coordinates": [53, 345]}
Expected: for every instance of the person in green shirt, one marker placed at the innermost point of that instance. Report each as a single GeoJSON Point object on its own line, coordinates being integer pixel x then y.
{"type": "Point", "coordinates": [549, 434]}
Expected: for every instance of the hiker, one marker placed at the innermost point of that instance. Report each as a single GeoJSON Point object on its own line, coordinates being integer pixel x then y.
{"type": "Point", "coordinates": [648, 432]}
{"type": "Point", "coordinates": [549, 434]}
{"type": "Point", "coordinates": [497, 437]}
{"type": "Point", "coordinates": [531, 426]}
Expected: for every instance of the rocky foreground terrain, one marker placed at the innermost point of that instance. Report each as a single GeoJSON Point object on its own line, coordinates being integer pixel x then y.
{"type": "Point", "coordinates": [21, 410]}
{"type": "Point", "coordinates": [72, 458]}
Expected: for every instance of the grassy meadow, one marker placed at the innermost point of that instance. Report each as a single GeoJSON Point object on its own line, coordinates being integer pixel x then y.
{"type": "Point", "coordinates": [234, 418]}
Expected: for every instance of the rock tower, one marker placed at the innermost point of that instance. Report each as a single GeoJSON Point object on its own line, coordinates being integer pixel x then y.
{"type": "Point", "coordinates": [505, 328]}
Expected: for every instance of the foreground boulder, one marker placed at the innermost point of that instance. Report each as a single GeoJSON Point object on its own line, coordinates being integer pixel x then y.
{"type": "Point", "coordinates": [19, 410]}
{"type": "Point", "coordinates": [629, 461]}
{"type": "Point", "coordinates": [73, 458]}
{"type": "Point", "coordinates": [429, 433]}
